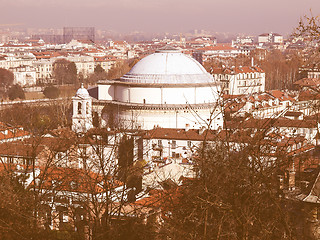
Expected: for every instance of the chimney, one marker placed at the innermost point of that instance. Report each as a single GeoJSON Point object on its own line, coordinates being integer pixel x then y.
{"type": "Point", "coordinates": [201, 130]}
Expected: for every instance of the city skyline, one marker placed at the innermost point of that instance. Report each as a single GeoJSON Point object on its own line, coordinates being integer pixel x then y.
{"type": "Point", "coordinates": [246, 16]}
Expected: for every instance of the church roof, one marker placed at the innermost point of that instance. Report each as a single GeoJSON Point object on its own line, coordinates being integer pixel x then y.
{"type": "Point", "coordinates": [82, 92]}
{"type": "Point", "coordinates": [168, 66]}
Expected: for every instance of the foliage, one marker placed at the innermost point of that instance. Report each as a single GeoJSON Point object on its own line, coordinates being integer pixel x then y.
{"type": "Point", "coordinates": [99, 74]}
{"type": "Point", "coordinates": [98, 69]}
{"type": "Point", "coordinates": [16, 220]}
{"type": "Point", "coordinates": [121, 68]}
{"type": "Point", "coordinates": [308, 28]}
{"type": "Point", "coordinates": [38, 119]}
{"type": "Point", "coordinates": [235, 197]}
{"type": "Point", "coordinates": [15, 92]}
{"type": "Point", "coordinates": [51, 92]}
{"type": "Point", "coordinates": [6, 78]}
{"type": "Point", "coordinates": [281, 69]}
{"type": "Point", "coordinates": [65, 72]}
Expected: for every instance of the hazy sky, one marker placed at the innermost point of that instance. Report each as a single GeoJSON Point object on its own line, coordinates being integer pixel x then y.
{"type": "Point", "coordinates": [247, 16]}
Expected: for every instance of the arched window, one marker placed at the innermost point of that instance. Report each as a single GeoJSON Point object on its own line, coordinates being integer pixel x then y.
{"type": "Point", "coordinates": [87, 108]}
{"type": "Point", "coordinates": [79, 107]}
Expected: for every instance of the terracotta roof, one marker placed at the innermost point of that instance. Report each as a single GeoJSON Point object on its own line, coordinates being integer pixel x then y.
{"type": "Point", "coordinates": [244, 69]}
{"type": "Point", "coordinates": [105, 59]}
{"type": "Point", "coordinates": [180, 134]}
{"type": "Point", "coordinates": [281, 95]}
{"type": "Point", "coordinates": [270, 122]}
{"type": "Point", "coordinates": [292, 114]}
{"type": "Point", "coordinates": [70, 179]}
{"type": "Point", "coordinates": [223, 47]}
{"type": "Point", "coordinates": [19, 149]}
{"type": "Point", "coordinates": [308, 82]}
{"type": "Point", "coordinates": [308, 95]}
{"type": "Point", "coordinates": [46, 55]}
{"type": "Point", "coordinates": [248, 69]}
{"type": "Point", "coordinates": [8, 132]}
{"type": "Point", "coordinates": [233, 106]}
{"type": "Point", "coordinates": [164, 199]}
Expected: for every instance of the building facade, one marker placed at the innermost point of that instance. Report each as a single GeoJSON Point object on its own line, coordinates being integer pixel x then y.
{"type": "Point", "coordinates": [165, 89]}
{"type": "Point", "coordinates": [240, 80]}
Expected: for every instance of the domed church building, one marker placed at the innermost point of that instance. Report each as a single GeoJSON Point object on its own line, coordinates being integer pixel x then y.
{"type": "Point", "coordinates": [166, 89]}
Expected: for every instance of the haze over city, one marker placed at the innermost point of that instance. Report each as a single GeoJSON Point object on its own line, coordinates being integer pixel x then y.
{"type": "Point", "coordinates": [246, 16]}
{"type": "Point", "coordinates": [158, 119]}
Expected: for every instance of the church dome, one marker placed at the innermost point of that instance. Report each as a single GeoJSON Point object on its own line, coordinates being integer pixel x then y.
{"type": "Point", "coordinates": [168, 66]}
{"type": "Point", "coordinates": [82, 92]}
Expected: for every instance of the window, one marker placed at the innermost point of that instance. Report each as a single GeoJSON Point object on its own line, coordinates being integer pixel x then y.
{"type": "Point", "coordinates": [174, 144]}
{"type": "Point", "coordinates": [79, 107]}
{"type": "Point", "coordinates": [65, 217]}
{"type": "Point", "coordinates": [87, 108]}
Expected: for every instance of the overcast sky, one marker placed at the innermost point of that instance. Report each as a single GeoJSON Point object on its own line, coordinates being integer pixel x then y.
{"type": "Point", "coordinates": [237, 16]}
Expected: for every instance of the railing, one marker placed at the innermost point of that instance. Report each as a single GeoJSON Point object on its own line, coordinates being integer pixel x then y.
{"type": "Point", "coordinates": [156, 106]}
{"type": "Point", "coordinates": [45, 100]}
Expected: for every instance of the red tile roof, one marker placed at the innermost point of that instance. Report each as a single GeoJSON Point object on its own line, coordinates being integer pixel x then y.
{"type": "Point", "coordinates": [70, 179]}
{"type": "Point", "coordinates": [180, 134]}
{"type": "Point", "coordinates": [8, 132]}
{"type": "Point", "coordinates": [308, 82]}
{"type": "Point", "coordinates": [223, 47]}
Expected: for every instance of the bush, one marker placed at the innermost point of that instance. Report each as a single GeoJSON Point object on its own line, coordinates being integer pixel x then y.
{"type": "Point", "coordinates": [6, 77]}
{"type": "Point", "coordinates": [16, 91]}
{"type": "Point", "coordinates": [51, 92]}
{"type": "Point", "coordinates": [65, 72]}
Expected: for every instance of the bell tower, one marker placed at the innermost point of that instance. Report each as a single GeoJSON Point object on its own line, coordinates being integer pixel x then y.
{"type": "Point", "coordinates": [82, 111]}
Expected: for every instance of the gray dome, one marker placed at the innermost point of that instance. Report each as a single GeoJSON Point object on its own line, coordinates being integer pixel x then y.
{"type": "Point", "coordinates": [82, 92]}
{"type": "Point", "coordinates": [168, 66]}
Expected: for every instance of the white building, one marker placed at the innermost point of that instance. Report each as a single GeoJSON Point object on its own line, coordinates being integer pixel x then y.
{"type": "Point", "coordinates": [24, 75]}
{"type": "Point", "coordinates": [167, 89]}
{"type": "Point", "coordinates": [221, 51]}
{"type": "Point", "coordinates": [44, 70]}
{"type": "Point", "coordinates": [84, 64]}
{"type": "Point", "coordinates": [82, 111]}
{"type": "Point", "coordinates": [13, 60]}
{"type": "Point", "coordinates": [263, 105]}
{"type": "Point", "coordinates": [240, 80]}
{"type": "Point", "coordinates": [270, 38]}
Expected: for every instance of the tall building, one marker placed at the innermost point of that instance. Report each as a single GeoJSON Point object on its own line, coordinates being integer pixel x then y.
{"type": "Point", "coordinates": [78, 33]}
